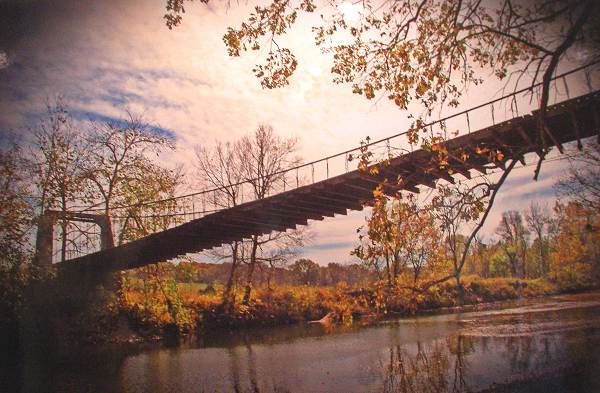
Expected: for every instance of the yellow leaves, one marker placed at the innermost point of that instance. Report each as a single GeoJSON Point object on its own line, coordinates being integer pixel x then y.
{"type": "Point", "coordinates": [378, 192]}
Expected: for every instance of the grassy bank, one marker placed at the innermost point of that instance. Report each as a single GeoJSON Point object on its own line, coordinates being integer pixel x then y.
{"type": "Point", "coordinates": [191, 308]}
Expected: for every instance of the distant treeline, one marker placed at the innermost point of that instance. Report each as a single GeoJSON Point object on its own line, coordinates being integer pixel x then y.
{"type": "Point", "coordinates": [301, 272]}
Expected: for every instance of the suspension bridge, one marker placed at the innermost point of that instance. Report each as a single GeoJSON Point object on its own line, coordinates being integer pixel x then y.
{"type": "Point", "coordinates": [302, 197]}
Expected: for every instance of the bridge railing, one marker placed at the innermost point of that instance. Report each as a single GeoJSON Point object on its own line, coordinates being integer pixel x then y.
{"type": "Point", "coordinates": [155, 216]}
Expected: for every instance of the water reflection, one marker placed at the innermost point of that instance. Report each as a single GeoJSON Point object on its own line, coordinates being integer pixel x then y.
{"type": "Point", "coordinates": [492, 352]}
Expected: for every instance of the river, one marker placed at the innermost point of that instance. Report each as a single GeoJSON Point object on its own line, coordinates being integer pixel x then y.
{"type": "Point", "coordinates": [542, 345]}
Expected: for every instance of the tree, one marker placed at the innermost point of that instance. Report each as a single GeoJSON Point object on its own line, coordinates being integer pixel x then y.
{"type": "Point", "coordinates": [134, 192]}
{"type": "Point", "coordinates": [460, 205]}
{"type": "Point", "coordinates": [575, 261]}
{"type": "Point", "coordinates": [145, 182]}
{"type": "Point", "coordinates": [538, 221]}
{"type": "Point", "coordinates": [16, 212]}
{"type": "Point", "coordinates": [478, 261]}
{"type": "Point", "coordinates": [582, 183]}
{"type": "Point", "coordinates": [425, 50]}
{"type": "Point", "coordinates": [380, 245]}
{"type": "Point", "coordinates": [75, 165]}
{"type": "Point", "coordinates": [264, 157]}
{"type": "Point", "coordinates": [405, 237]}
{"type": "Point", "coordinates": [514, 241]}
{"type": "Point", "coordinates": [420, 246]}
{"type": "Point", "coordinates": [59, 157]}
{"type": "Point", "coordinates": [278, 248]}
{"type": "Point", "coordinates": [306, 271]}
{"type": "Point", "coordinates": [15, 208]}
{"type": "Point", "coordinates": [221, 170]}
{"type": "Point", "coordinates": [455, 208]}
{"type": "Point", "coordinates": [256, 165]}
{"type": "Point", "coordinates": [336, 273]}
{"type": "Point", "coordinates": [119, 170]}
{"type": "Point", "coordinates": [499, 263]}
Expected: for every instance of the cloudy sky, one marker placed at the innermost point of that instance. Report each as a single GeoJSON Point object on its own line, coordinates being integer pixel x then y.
{"type": "Point", "coordinates": [106, 57]}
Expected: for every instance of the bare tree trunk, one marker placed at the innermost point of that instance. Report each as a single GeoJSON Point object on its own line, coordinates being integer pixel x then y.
{"type": "Point", "coordinates": [459, 287]}
{"type": "Point", "coordinates": [63, 235]}
{"type": "Point", "coordinates": [388, 270]}
{"type": "Point", "coordinates": [63, 228]}
{"type": "Point", "coordinates": [248, 289]}
{"type": "Point", "coordinates": [227, 295]}
{"type": "Point", "coordinates": [395, 264]}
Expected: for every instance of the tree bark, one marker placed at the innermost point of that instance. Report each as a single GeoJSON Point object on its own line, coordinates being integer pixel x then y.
{"type": "Point", "coordinates": [248, 290]}
{"type": "Point", "coordinates": [227, 298]}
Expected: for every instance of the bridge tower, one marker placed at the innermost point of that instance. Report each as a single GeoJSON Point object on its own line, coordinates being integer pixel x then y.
{"type": "Point", "coordinates": [45, 235]}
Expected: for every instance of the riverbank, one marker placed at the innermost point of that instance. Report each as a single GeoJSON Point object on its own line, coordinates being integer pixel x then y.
{"type": "Point", "coordinates": [196, 312]}
{"type": "Point", "coordinates": [543, 345]}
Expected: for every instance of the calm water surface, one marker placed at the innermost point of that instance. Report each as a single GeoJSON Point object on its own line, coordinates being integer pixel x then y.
{"type": "Point", "coordinates": [547, 345]}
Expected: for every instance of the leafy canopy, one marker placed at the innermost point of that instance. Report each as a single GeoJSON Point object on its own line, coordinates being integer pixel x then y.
{"type": "Point", "coordinates": [424, 50]}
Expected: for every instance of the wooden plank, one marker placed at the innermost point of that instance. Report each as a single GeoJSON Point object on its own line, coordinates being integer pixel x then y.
{"type": "Point", "coordinates": [442, 175]}
{"type": "Point", "coordinates": [287, 213]}
{"type": "Point", "coordinates": [322, 212]}
{"type": "Point", "coordinates": [342, 190]}
{"type": "Point", "coordinates": [459, 168]}
{"type": "Point", "coordinates": [320, 200]}
{"type": "Point", "coordinates": [307, 200]}
{"type": "Point", "coordinates": [328, 207]}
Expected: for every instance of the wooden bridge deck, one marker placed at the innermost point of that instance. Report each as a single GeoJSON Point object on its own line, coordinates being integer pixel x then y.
{"type": "Point", "coordinates": [568, 121]}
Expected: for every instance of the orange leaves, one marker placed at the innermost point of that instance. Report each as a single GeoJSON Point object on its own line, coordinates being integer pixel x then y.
{"type": "Point", "coordinates": [233, 41]}
{"type": "Point", "coordinates": [403, 235]}
{"type": "Point", "coordinates": [492, 154]}
{"type": "Point", "coordinates": [308, 6]}
{"type": "Point", "coordinates": [413, 131]}
{"type": "Point", "coordinates": [280, 65]}
{"type": "Point", "coordinates": [364, 157]}
{"type": "Point", "coordinates": [481, 150]}
{"type": "Point", "coordinates": [270, 21]}
{"type": "Point", "coordinates": [426, 51]}
{"type": "Point", "coordinates": [422, 88]}
{"type": "Point", "coordinates": [369, 91]}
{"type": "Point", "coordinates": [440, 155]}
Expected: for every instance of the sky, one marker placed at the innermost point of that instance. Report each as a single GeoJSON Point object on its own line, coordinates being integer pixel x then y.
{"type": "Point", "coordinates": [108, 57]}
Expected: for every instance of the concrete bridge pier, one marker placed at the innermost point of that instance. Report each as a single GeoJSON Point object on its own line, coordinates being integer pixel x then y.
{"type": "Point", "coordinates": [68, 304]}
